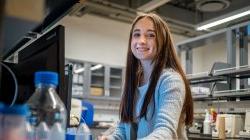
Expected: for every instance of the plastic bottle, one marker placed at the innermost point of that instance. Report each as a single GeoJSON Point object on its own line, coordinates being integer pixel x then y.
{"type": "Point", "coordinates": [57, 132]}
{"type": "Point", "coordinates": [13, 122]}
{"type": "Point", "coordinates": [46, 107]}
{"type": "Point", "coordinates": [207, 124]}
{"type": "Point", "coordinates": [42, 132]}
{"type": "Point", "coordinates": [30, 131]}
{"type": "Point", "coordinates": [83, 132]}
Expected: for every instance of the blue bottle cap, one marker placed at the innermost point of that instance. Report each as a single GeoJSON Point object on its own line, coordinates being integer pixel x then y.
{"type": "Point", "coordinates": [18, 109]}
{"type": "Point", "coordinates": [46, 77]}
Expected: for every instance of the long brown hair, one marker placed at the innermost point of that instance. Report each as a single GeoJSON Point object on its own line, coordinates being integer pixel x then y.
{"type": "Point", "coordinates": [165, 58]}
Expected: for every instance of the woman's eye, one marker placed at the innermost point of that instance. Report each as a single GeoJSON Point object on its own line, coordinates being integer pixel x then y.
{"type": "Point", "coordinates": [136, 35]}
{"type": "Point", "coordinates": [151, 35]}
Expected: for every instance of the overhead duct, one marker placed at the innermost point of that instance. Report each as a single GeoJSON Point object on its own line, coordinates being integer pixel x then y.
{"type": "Point", "coordinates": [125, 14]}
{"type": "Point", "coordinates": [105, 9]}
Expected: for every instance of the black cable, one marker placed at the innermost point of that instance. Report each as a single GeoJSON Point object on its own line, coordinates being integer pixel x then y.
{"type": "Point", "coordinates": [15, 80]}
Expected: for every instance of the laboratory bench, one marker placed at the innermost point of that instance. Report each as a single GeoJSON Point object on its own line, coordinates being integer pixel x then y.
{"type": "Point", "coordinates": [209, 137]}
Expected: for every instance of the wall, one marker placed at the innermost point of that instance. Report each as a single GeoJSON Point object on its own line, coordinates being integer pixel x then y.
{"type": "Point", "coordinates": [97, 39]}
{"type": "Point", "coordinates": [213, 51]}
{"type": "Point", "coordinates": [204, 57]}
{"type": "Point", "coordinates": [216, 51]}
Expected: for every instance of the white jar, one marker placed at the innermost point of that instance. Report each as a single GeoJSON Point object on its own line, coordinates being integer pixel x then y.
{"type": "Point", "coordinates": [207, 129]}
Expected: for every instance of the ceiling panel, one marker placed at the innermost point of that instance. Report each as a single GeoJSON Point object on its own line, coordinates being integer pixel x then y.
{"type": "Point", "coordinates": [183, 16]}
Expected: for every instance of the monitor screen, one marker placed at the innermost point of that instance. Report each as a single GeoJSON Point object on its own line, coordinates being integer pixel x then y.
{"type": "Point", "coordinates": [44, 54]}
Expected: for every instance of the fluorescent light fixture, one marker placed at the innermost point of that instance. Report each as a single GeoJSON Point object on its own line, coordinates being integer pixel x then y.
{"type": "Point", "coordinates": [79, 70]}
{"type": "Point", "coordinates": [92, 68]}
{"type": "Point", "coordinates": [151, 5]}
{"type": "Point", "coordinates": [96, 67]}
{"type": "Point", "coordinates": [223, 20]}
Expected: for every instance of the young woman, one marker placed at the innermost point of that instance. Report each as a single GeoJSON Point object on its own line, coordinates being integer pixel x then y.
{"type": "Point", "coordinates": [156, 102]}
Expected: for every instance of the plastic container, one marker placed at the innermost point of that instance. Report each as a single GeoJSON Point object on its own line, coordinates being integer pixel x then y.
{"type": "Point", "coordinates": [207, 129]}
{"type": "Point", "coordinates": [42, 131]}
{"type": "Point", "coordinates": [45, 105]}
{"type": "Point", "coordinates": [13, 122]}
{"type": "Point", "coordinates": [83, 132]}
{"type": "Point", "coordinates": [57, 132]}
{"type": "Point", "coordinates": [30, 131]}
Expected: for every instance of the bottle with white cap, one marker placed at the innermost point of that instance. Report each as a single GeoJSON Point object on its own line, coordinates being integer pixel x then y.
{"type": "Point", "coordinates": [207, 129]}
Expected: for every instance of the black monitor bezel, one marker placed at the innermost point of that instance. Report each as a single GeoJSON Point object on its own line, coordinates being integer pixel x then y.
{"type": "Point", "coordinates": [26, 66]}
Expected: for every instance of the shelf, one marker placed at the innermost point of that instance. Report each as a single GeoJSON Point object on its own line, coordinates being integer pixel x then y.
{"type": "Point", "coordinates": [199, 136]}
{"type": "Point", "coordinates": [96, 97]}
{"type": "Point", "coordinates": [206, 80]}
{"type": "Point", "coordinates": [104, 98]}
{"type": "Point", "coordinates": [115, 87]}
{"type": "Point", "coordinates": [203, 98]}
{"type": "Point", "coordinates": [116, 76]}
{"type": "Point", "coordinates": [232, 93]}
{"type": "Point", "coordinates": [243, 94]}
{"type": "Point", "coordinates": [219, 75]}
{"type": "Point", "coordinates": [203, 77]}
{"type": "Point", "coordinates": [235, 72]}
{"type": "Point", "coordinates": [78, 96]}
{"type": "Point", "coordinates": [116, 71]}
{"type": "Point", "coordinates": [78, 84]}
{"type": "Point", "coordinates": [97, 74]}
{"type": "Point", "coordinates": [97, 85]}
{"type": "Point", "coordinates": [112, 108]}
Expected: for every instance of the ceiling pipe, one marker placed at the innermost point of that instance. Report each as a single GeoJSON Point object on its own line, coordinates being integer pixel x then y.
{"type": "Point", "coordinates": [153, 4]}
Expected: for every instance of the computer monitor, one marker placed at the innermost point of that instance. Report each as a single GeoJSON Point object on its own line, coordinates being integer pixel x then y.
{"type": "Point", "coordinates": [44, 54]}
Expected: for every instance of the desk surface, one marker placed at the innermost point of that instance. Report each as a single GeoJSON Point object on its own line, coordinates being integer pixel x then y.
{"type": "Point", "coordinates": [209, 137]}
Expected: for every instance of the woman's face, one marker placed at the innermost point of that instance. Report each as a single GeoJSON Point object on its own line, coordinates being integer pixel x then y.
{"type": "Point", "coordinates": [143, 41]}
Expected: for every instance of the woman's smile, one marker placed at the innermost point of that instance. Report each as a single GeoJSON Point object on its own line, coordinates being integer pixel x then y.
{"type": "Point", "coordinates": [142, 49]}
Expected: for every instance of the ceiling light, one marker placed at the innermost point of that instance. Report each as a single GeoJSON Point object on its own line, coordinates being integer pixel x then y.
{"type": "Point", "coordinates": [223, 20]}
{"type": "Point", "coordinates": [212, 5]}
{"type": "Point", "coordinates": [96, 67]}
{"type": "Point", "coordinates": [79, 70]}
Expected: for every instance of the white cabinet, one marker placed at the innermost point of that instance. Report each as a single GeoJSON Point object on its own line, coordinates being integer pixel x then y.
{"type": "Point", "coordinates": [115, 79]}
{"type": "Point", "coordinates": [95, 80]}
